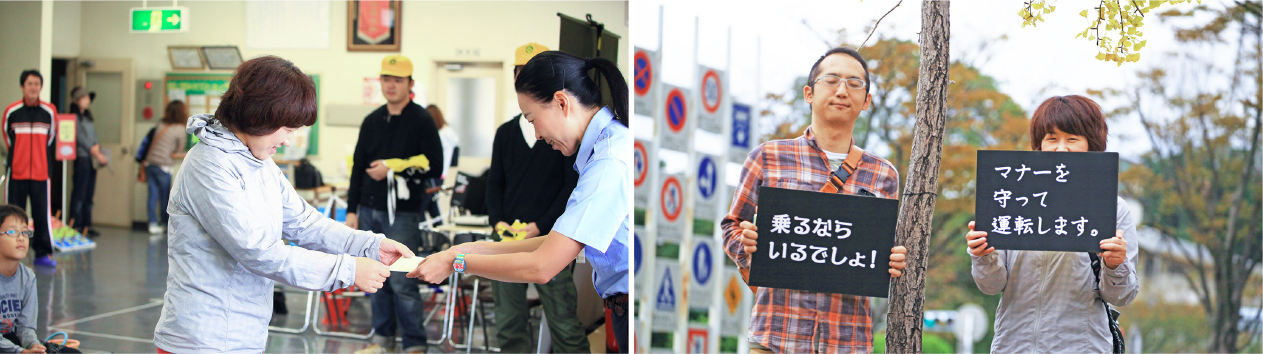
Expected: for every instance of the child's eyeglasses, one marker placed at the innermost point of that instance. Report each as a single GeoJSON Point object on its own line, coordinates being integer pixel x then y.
{"type": "Point", "coordinates": [16, 233]}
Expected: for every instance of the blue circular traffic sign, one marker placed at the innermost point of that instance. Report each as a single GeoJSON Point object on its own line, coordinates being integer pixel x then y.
{"type": "Point", "coordinates": [638, 253]}
{"type": "Point", "coordinates": [706, 177]}
{"type": "Point", "coordinates": [701, 263]}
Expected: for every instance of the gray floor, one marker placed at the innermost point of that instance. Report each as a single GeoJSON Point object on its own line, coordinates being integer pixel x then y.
{"type": "Point", "coordinates": [110, 299]}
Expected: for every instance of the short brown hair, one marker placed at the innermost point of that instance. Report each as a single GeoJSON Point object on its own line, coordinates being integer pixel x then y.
{"type": "Point", "coordinates": [1071, 114]}
{"type": "Point", "coordinates": [265, 94]}
{"type": "Point", "coordinates": [437, 114]}
{"type": "Point", "coordinates": [176, 113]}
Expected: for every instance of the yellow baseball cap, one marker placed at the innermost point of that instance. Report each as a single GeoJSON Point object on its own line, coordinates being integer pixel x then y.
{"type": "Point", "coordinates": [396, 65]}
{"type": "Point", "coordinates": [526, 52]}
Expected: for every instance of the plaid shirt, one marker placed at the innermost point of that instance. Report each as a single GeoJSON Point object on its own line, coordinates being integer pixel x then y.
{"type": "Point", "coordinates": [792, 321]}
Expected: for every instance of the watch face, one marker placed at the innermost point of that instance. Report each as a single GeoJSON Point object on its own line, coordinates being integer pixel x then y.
{"type": "Point", "coordinates": [460, 267]}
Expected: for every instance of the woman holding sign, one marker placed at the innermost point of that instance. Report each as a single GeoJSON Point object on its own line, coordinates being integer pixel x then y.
{"type": "Point", "coordinates": [1059, 301]}
{"type": "Point", "coordinates": [564, 104]}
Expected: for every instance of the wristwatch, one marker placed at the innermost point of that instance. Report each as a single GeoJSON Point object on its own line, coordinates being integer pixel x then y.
{"type": "Point", "coordinates": [459, 263]}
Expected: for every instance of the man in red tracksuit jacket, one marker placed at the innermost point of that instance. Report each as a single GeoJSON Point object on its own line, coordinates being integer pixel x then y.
{"type": "Point", "coordinates": [28, 135]}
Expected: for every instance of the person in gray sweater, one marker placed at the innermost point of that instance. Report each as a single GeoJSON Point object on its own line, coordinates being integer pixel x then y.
{"type": "Point", "coordinates": [1051, 302]}
{"type": "Point", "coordinates": [87, 151]}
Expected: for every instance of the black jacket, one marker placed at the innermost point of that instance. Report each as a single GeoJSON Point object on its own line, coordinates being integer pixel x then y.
{"type": "Point", "coordinates": [383, 136]}
{"type": "Point", "coordinates": [525, 183]}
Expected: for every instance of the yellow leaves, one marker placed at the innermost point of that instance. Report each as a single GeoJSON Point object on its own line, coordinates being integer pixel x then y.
{"type": "Point", "coordinates": [1126, 19]}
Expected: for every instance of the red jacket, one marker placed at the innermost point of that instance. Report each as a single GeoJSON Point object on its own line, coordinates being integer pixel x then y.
{"type": "Point", "coordinates": [29, 134]}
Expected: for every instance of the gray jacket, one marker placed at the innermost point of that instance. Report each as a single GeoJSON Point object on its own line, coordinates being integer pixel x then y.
{"type": "Point", "coordinates": [230, 217]}
{"type": "Point", "coordinates": [1050, 303]}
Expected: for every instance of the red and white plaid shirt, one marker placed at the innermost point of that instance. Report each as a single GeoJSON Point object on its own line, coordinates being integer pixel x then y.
{"type": "Point", "coordinates": [792, 321]}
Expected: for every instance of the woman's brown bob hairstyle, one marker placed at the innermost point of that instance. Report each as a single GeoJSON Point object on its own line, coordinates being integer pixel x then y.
{"type": "Point", "coordinates": [176, 113]}
{"type": "Point", "coordinates": [1072, 114]}
{"type": "Point", "coordinates": [265, 94]}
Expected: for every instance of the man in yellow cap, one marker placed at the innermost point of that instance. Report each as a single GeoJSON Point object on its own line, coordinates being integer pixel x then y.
{"type": "Point", "coordinates": [530, 183]}
{"type": "Point", "coordinates": [391, 202]}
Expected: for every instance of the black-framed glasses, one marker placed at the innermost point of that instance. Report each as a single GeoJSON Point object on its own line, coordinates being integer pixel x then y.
{"type": "Point", "coordinates": [834, 80]}
{"type": "Point", "coordinates": [15, 233]}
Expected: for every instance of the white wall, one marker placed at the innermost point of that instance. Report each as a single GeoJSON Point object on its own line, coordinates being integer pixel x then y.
{"type": "Point", "coordinates": [19, 45]}
{"type": "Point", "coordinates": [432, 32]}
{"type": "Point", "coordinates": [66, 19]}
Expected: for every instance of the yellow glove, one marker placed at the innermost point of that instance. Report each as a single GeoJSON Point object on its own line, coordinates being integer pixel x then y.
{"type": "Point", "coordinates": [516, 231]}
{"type": "Point", "coordinates": [399, 165]}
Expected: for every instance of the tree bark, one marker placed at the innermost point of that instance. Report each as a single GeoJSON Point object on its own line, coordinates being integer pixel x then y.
{"type": "Point", "coordinates": [907, 293]}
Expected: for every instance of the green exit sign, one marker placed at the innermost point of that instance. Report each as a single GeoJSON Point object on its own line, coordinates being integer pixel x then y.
{"type": "Point", "coordinates": [160, 19]}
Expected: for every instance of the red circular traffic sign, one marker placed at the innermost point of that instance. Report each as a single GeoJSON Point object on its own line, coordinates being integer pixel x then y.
{"type": "Point", "coordinates": [676, 110]}
{"type": "Point", "coordinates": [642, 163]}
{"type": "Point", "coordinates": [643, 72]}
{"type": "Point", "coordinates": [672, 198]}
{"type": "Point", "coordinates": [712, 91]}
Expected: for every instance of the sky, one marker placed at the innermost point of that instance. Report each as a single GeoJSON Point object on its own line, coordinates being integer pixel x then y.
{"type": "Point", "coordinates": [774, 42]}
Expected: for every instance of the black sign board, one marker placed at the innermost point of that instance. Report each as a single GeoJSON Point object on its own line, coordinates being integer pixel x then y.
{"type": "Point", "coordinates": [824, 242]}
{"type": "Point", "coordinates": [1047, 201]}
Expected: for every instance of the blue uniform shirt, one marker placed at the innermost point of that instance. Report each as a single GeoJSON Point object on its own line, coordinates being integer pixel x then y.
{"type": "Point", "coordinates": [597, 214]}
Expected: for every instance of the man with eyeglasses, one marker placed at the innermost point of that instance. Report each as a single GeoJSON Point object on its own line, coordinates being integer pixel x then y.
{"type": "Point", "coordinates": [793, 321]}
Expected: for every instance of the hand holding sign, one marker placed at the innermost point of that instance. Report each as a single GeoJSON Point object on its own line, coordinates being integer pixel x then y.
{"type": "Point", "coordinates": [977, 242]}
{"type": "Point", "coordinates": [1115, 250]}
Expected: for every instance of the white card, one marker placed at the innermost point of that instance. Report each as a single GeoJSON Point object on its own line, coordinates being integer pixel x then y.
{"type": "Point", "coordinates": [406, 264]}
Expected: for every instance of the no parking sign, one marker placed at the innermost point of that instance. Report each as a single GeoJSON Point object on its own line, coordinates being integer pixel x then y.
{"type": "Point", "coordinates": [702, 277]}
{"type": "Point", "coordinates": [645, 76]}
{"type": "Point", "coordinates": [670, 210]}
{"type": "Point", "coordinates": [643, 162]}
{"type": "Point", "coordinates": [711, 91]}
{"type": "Point", "coordinates": [708, 181]}
{"type": "Point", "coordinates": [674, 125]}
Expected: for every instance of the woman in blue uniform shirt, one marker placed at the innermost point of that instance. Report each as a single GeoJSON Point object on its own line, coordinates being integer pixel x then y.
{"type": "Point", "coordinates": [564, 103]}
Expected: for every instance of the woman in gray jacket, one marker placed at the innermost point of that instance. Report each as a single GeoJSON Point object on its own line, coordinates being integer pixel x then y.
{"type": "Point", "coordinates": [1051, 302]}
{"type": "Point", "coordinates": [232, 212]}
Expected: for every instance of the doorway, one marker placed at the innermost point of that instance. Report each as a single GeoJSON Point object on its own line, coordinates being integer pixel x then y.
{"type": "Point", "coordinates": [113, 80]}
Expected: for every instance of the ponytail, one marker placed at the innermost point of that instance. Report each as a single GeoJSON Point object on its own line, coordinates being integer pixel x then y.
{"type": "Point", "coordinates": [553, 71]}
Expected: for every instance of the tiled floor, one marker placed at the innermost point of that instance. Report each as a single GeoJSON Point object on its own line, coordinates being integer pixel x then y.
{"type": "Point", "coordinates": [110, 299]}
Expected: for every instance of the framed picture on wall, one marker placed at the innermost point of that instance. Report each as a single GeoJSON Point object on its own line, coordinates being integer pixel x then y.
{"type": "Point", "coordinates": [184, 58]}
{"type": "Point", "coordinates": [227, 57]}
{"type": "Point", "coordinates": [373, 26]}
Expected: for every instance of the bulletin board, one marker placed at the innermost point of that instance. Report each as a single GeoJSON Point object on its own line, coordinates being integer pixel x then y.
{"type": "Point", "coordinates": [202, 92]}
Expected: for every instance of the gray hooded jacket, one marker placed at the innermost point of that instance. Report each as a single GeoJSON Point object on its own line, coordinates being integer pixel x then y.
{"type": "Point", "coordinates": [1050, 303]}
{"type": "Point", "coordinates": [231, 214]}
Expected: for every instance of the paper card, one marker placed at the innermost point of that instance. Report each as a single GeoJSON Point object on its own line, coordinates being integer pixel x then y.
{"type": "Point", "coordinates": [406, 264]}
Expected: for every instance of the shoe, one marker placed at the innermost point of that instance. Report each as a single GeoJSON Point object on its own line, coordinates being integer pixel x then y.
{"type": "Point", "coordinates": [155, 229]}
{"type": "Point", "coordinates": [372, 349]}
{"type": "Point", "coordinates": [93, 233]}
{"type": "Point", "coordinates": [420, 349]}
{"type": "Point", "coordinates": [45, 261]}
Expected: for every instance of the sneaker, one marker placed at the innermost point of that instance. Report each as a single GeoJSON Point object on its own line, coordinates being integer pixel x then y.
{"type": "Point", "coordinates": [372, 349]}
{"type": "Point", "coordinates": [155, 229]}
{"type": "Point", "coordinates": [45, 261]}
{"type": "Point", "coordinates": [93, 233]}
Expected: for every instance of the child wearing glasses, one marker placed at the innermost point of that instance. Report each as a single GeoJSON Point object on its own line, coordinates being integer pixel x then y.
{"type": "Point", "coordinates": [17, 286]}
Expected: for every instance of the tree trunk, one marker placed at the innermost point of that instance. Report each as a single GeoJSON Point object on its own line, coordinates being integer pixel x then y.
{"type": "Point", "coordinates": [907, 293]}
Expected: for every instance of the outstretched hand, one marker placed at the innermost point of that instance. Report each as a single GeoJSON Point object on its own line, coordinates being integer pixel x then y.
{"type": "Point", "coordinates": [392, 251]}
